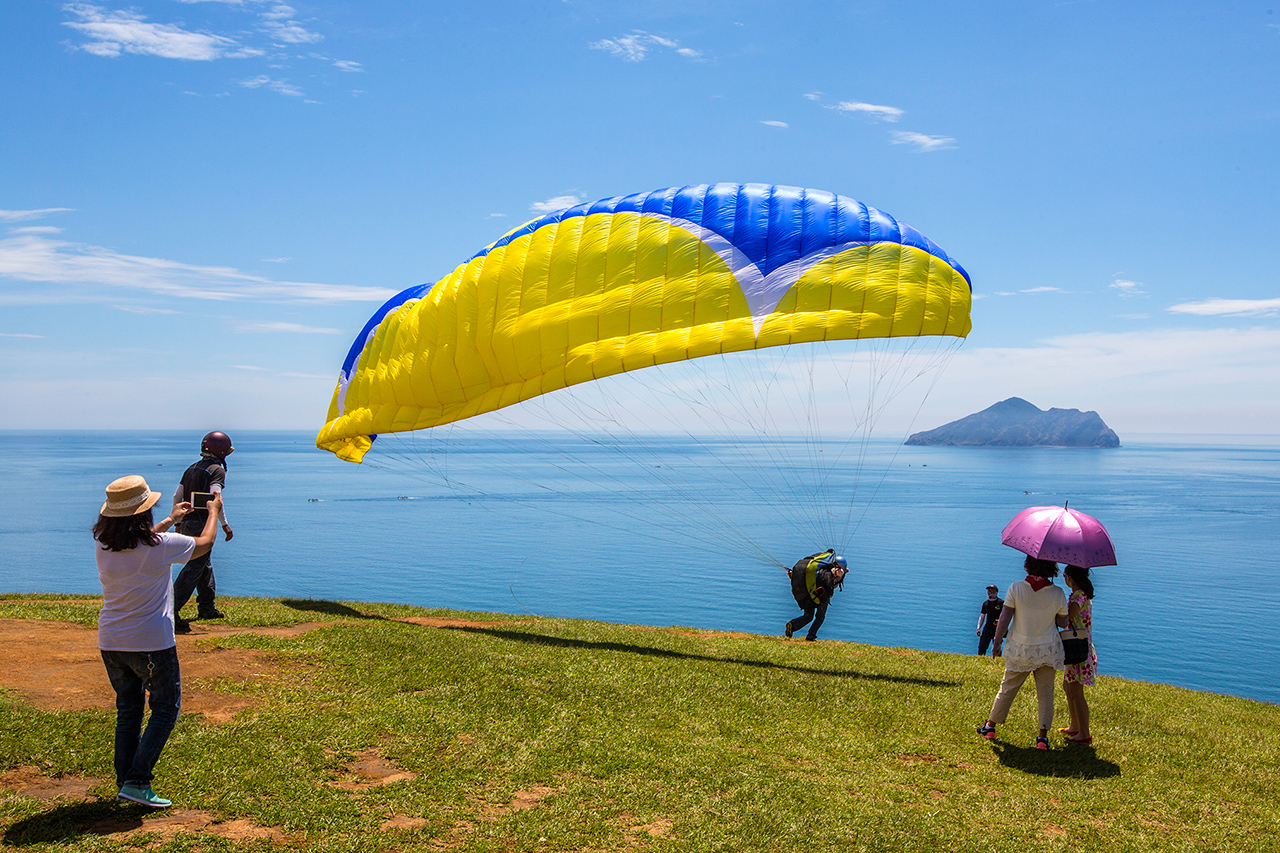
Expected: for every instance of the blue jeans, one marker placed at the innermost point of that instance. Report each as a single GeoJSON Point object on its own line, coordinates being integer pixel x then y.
{"type": "Point", "coordinates": [816, 612]}
{"type": "Point", "coordinates": [133, 675]}
{"type": "Point", "coordinates": [196, 576]}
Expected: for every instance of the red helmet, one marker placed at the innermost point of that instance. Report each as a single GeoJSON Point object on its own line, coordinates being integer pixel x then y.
{"type": "Point", "coordinates": [217, 444]}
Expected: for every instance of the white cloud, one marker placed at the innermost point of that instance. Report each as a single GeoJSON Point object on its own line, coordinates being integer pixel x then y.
{"type": "Point", "coordinates": [874, 110]}
{"type": "Point", "coordinates": [36, 229]}
{"type": "Point", "coordinates": [551, 205]}
{"type": "Point", "coordinates": [110, 33]}
{"type": "Point", "coordinates": [247, 367]}
{"type": "Point", "coordinates": [775, 123]}
{"type": "Point", "coordinates": [292, 328]}
{"type": "Point", "coordinates": [275, 260]}
{"type": "Point", "coordinates": [1158, 380]}
{"type": "Point", "coordinates": [1043, 289]}
{"type": "Point", "coordinates": [281, 86]}
{"type": "Point", "coordinates": [35, 258]}
{"type": "Point", "coordinates": [1128, 288]}
{"type": "Point", "coordinates": [1216, 307]}
{"type": "Point", "coordinates": [347, 65]}
{"type": "Point", "coordinates": [497, 216]}
{"type": "Point", "coordinates": [18, 335]}
{"type": "Point", "coordinates": [279, 25]}
{"type": "Point", "coordinates": [921, 141]}
{"type": "Point", "coordinates": [636, 46]}
{"type": "Point", "coordinates": [144, 310]}
{"type": "Point", "coordinates": [814, 96]}
{"type": "Point", "coordinates": [24, 215]}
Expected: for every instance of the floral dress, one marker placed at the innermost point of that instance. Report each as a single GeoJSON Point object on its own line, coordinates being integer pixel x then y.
{"type": "Point", "coordinates": [1085, 672]}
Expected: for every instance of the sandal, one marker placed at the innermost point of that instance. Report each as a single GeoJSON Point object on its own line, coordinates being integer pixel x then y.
{"type": "Point", "coordinates": [1083, 741]}
{"type": "Point", "coordinates": [1067, 731]}
{"type": "Point", "coordinates": [1042, 743]}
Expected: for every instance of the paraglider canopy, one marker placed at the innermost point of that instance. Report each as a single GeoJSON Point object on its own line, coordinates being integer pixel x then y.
{"type": "Point", "coordinates": [631, 282]}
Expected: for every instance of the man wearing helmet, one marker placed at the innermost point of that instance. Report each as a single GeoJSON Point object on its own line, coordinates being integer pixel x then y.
{"type": "Point", "coordinates": [813, 580]}
{"type": "Point", "coordinates": [206, 475]}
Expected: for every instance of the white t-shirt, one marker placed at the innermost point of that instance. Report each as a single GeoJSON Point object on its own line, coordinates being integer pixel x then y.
{"type": "Point", "coordinates": [1033, 613]}
{"type": "Point", "coordinates": [137, 594]}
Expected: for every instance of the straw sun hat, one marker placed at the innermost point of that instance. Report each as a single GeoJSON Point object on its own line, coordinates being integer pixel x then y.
{"type": "Point", "coordinates": [129, 496]}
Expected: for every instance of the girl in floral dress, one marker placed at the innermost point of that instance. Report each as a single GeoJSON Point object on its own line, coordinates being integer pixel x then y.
{"type": "Point", "coordinates": [1077, 675]}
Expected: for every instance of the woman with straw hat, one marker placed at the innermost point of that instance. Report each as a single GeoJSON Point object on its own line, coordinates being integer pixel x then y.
{"type": "Point", "coordinates": [135, 628]}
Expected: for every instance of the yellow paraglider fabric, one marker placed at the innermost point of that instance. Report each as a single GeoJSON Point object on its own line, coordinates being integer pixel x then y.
{"type": "Point", "coordinates": [573, 298]}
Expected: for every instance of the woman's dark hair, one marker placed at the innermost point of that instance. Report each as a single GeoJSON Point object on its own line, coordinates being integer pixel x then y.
{"type": "Point", "coordinates": [1040, 568]}
{"type": "Point", "coordinates": [125, 534]}
{"type": "Point", "coordinates": [1080, 575]}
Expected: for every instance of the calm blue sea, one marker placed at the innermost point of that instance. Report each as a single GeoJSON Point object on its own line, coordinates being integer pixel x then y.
{"type": "Point", "coordinates": [1196, 522]}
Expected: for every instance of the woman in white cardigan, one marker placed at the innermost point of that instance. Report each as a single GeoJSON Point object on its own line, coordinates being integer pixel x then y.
{"type": "Point", "coordinates": [1034, 610]}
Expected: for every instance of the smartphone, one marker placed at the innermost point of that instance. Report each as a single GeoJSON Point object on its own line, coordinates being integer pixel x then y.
{"type": "Point", "coordinates": [200, 500]}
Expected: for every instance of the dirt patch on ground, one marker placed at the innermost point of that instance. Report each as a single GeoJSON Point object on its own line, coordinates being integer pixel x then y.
{"type": "Point", "coordinates": [171, 822]}
{"type": "Point", "coordinates": [370, 769]}
{"type": "Point", "coordinates": [56, 666]}
{"type": "Point", "coordinates": [30, 781]}
{"type": "Point", "coordinates": [131, 821]}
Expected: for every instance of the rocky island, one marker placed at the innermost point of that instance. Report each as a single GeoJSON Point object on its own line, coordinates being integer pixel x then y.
{"type": "Point", "coordinates": [1016, 423]}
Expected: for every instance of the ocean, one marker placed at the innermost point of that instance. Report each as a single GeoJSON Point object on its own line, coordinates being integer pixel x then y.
{"type": "Point", "coordinates": [1195, 520]}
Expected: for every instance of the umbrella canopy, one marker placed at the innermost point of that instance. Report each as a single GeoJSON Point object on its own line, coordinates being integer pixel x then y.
{"type": "Point", "coordinates": [1061, 535]}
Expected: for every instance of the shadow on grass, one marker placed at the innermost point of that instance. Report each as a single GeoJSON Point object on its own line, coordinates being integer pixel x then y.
{"type": "Point", "coordinates": [68, 822]}
{"type": "Point", "coordinates": [547, 640]}
{"type": "Point", "coordinates": [330, 608]}
{"type": "Point", "coordinates": [1077, 761]}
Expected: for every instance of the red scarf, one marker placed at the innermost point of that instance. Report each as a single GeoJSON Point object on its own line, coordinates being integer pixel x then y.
{"type": "Point", "coordinates": [1038, 583]}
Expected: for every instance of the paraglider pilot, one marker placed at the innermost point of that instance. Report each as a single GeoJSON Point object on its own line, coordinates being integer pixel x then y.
{"type": "Point", "coordinates": [813, 580]}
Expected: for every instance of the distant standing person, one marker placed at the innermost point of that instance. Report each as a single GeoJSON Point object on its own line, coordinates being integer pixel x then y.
{"type": "Point", "coordinates": [988, 617]}
{"type": "Point", "coordinates": [813, 581]}
{"type": "Point", "coordinates": [208, 474]}
{"type": "Point", "coordinates": [1033, 611]}
{"type": "Point", "coordinates": [135, 627]}
{"type": "Point", "coordinates": [1077, 675]}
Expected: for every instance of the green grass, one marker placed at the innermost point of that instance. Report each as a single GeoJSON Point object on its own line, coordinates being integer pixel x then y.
{"type": "Point", "coordinates": [718, 743]}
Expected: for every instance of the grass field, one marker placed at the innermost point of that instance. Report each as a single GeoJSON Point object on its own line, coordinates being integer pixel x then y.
{"type": "Point", "coordinates": [493, 733]}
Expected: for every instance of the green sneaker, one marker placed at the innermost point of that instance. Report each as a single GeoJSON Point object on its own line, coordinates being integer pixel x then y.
{"type": "Point", "coordinates": [143, 796]}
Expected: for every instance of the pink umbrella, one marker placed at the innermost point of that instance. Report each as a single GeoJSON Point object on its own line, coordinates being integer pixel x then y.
{"type": "Point", "coordinates": [1061, 535]}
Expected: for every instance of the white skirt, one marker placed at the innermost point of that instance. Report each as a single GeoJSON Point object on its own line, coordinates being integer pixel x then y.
{"type": "Point", "coordinates": [1020, 657]}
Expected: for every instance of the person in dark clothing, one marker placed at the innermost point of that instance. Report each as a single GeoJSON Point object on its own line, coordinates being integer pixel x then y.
{"type": "Point", "coordinates": [206, 475]}
{"type": "Point", "coordinates": [988, 618]}
{"type": "Point", "coordinates": [813, 580]}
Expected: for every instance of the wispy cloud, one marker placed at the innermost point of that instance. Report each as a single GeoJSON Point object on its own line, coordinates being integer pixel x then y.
{"type": "Point", "coordinates": [36, 258]}
{"type": "Point", "coordinates": [281, 86]}
{"type": "Point", "coordinates": [18, 335]}
{"type": "Point", "coordinates": [636, 46]}
{"type": "Point", "coordinates": [272, 31]}
{"type": "Point", "coordinates": [875, 111]}
{"type": "Point", "coordinates": [251, 367]}
{"type": "Point", "coordinates": [1043, 289]}
{"type": "Point", "coordinates": [278, 24]}
{"type": "Point", "coordinates": [922, 142]}
{"type": "Point", "coordinates": [775, 123]}
{"type": "Point", "coordinates": [1215, 307]}
{"type": "Point", "coordinates": [276, 260]}
{"type": "Point", "coordinates": [1128, 288]}
{"type": "Point", "coordinates": [1153, 380]}
{"type": "Point", "coordinates": [551, 205]}
{"type": "Point", "coordinates": [111, 33]}
{"type": "Point", "coordinates": [24, 215]}
{"type": "Point", "coordinates": [145, 310]}
{"type": "Point", "coordinates": [36, 229]}
{"type": "Point", "coordinates": [291, 328]}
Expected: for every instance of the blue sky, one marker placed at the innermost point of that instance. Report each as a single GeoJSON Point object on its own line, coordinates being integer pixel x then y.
{"type": "Point", "coordinates": [201, 202]}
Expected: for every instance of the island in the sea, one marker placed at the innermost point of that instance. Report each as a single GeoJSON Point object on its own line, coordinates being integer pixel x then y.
{"type": "Point", "coordinates": [1017, 423]}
